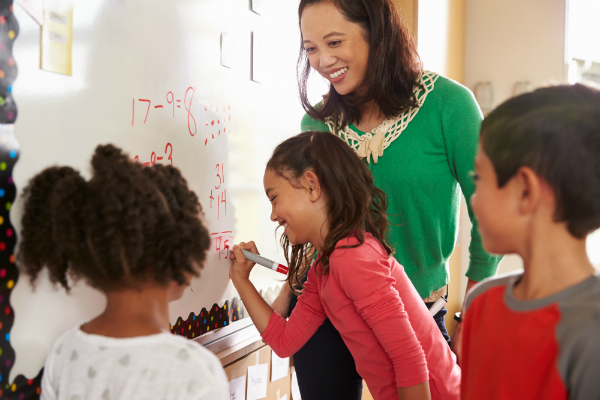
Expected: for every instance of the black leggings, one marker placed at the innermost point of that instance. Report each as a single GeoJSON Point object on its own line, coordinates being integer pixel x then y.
{"type": "Point", "coordinates": [439, 320]}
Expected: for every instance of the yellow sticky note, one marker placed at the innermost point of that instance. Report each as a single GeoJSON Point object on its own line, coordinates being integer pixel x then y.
{"type": "Point", "coordinates": [57, 36]}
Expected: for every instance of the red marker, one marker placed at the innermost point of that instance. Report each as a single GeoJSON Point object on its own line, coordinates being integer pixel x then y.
{"type": "Point", "coordinates": [265, 262]}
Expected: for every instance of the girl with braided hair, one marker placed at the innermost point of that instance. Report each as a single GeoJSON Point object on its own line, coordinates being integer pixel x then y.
{"type": "Point", "coordinates": [134, 233]}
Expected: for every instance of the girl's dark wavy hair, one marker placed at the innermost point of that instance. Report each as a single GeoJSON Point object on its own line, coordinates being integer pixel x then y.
{"type": "Point", "coordinates": [126, 225]}
{"type": "Point", "coordinates": [354, 204]}
{"type": "Point", "coordinates": [393, 66]}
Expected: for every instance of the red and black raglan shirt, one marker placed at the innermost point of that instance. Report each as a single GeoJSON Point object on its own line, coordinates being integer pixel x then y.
{"type": "Point", "coordinates": [541, 349]}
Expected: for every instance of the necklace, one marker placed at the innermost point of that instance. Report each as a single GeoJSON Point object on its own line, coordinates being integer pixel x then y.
{"type": "Point", "coordinates": [375, 142]}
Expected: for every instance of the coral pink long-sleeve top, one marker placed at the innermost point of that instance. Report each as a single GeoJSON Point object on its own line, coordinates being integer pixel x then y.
{"type": "Point", "coordinates": [382, 319]}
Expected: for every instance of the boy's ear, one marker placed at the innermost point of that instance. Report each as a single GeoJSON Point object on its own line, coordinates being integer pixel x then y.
{"type": "Point", "coordinates": [312, 185]}
{"type": "Point", "coordinates": [529, 188]}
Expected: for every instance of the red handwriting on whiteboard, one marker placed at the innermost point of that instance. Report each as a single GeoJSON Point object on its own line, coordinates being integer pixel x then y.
{"type": "Point", "coordinates": [175, 103]}
{"type": "Point", "coordinates": [222, 240]}
{"type": "Point", "coordinates": [188, 107]}
{"type": "Point", "coordinates": [215, 124]}
{"type": "Point", "coordinates": [164, 158]}
{"type": "Point", "coordinates": [221, 200]}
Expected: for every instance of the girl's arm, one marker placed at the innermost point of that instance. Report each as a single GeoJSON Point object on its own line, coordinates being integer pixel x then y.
{"type": "Point", "coordinates": [284, 337]}
{"type": "Point", "coordinates": [416, 392]}
{"type": "Point", "coordinates": [281, 304]}
{"type": "Point", "coordinates": [365, 277]}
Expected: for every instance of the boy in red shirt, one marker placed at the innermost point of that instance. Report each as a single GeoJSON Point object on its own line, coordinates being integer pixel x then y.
{"type": "Point", "coordinates": [535, 334]}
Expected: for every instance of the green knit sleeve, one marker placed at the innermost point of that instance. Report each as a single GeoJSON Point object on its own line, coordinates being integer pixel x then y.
{"type": "Point", "coordinates": [461, 120]}
{"type": "Point", "coordinates": [310, 124]}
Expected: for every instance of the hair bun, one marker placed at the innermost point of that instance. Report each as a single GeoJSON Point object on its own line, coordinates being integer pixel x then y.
{"type": "Point", "coordinates": [39, 244]}
{"type": "Point", "coordinates": [107, 157]}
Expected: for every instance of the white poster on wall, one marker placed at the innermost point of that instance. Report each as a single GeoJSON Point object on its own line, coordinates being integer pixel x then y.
{"type": "Point", "coordinates": [280, 367]}
{"type": "Point", "coordinates": [237, 389]}
{"type": "Point", "coordinates": [257, 381]}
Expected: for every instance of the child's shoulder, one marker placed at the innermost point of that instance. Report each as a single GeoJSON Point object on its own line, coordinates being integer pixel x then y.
{"type": "Point", "coordinates": [580, 309]}
{"type": "Point", "coordinates": [167, 346]}
{"type": "Point", "coordinates": [486, 285]}
{"type": "Point", "coordinates": [577, 333]}
{"type": "Point", "coordinates": [138, 359]}
{"type": "Point", "coordinates": [351, 247]}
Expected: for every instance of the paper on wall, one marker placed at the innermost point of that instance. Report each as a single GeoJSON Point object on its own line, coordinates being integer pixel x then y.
{"type": "Point", "coordinates": [227, 49]}
{"type": "Point", "coordinates": [258, 6]}
{"type": "Point", "coordinates": [280, 367]}
{"type": "Point", "coordinates": [57, 36]}
{"type": "Point", "coordinates": [258, 57]}
{"type": "Point", "coordinates": [295, 388]}
{"type": "Point", "coordinates": [237, 389]}
{"type": "Point", "coordinates": [35, 8]}
{"type": "Point", "coordinates": [257, 381]}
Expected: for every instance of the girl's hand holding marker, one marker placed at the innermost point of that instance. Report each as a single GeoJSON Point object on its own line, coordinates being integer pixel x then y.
{"type": "Point", "coordinates": [265, 262]}
{"type": "Point", "coordinates": [241, 266]}
{"type": "Point", "coordinates": [257, 307]}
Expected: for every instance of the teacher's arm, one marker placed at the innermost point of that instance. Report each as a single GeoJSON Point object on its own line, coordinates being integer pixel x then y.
{"type": "Point", "coordinates": [461, 120]}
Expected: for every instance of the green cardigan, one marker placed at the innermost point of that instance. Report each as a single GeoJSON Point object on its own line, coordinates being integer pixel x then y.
{"type": "Point", "coordinates": [421, 172]}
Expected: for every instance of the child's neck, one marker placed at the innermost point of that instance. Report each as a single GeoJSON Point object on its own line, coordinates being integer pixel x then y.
{"type": "Point", "coordinates": [131, 313]}
{"type": "Point", "coordinates": [553, 261]}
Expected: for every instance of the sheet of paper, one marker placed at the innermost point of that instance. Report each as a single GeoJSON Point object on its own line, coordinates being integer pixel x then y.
{"type": "Point", "coordinates": [227, 49]}
{"type": "Point", "coordinates": [237, 389]}
{"type": "Point", "coordinates": [295, 388]}
{"type": "Point", "coordinates": [280, 367]}
{"type": "Point", "coordinates": [57, 36]}
{"type": "Point", "coordinates": [258, 6]}
{"type": "Point", "coordinates": [258, 57]}
{"type": "Point", "coordinates": [35, 8]}
{"type": "Point", "coordinates": [258, 376]}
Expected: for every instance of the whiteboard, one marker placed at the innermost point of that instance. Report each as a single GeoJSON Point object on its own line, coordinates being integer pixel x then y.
{"type": "Point", "coordinates": [216, 124]}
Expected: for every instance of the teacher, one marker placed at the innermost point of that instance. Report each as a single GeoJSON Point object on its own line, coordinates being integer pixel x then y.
{"type": "Point", "coordinates": [418, 133]}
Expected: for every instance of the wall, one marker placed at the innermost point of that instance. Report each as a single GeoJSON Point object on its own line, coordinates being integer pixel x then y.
{"type": "Point", "coordinates": [514, 40]}
{"type": "Point", "coordinates": [127, 51]}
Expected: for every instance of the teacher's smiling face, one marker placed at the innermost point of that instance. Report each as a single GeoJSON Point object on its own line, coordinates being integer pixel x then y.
{"type": "Point", "coordinates": [336, 47]}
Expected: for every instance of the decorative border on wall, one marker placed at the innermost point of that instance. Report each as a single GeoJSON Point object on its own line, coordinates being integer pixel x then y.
{"type": "Point", "coordinates": [21, 388]}
{"type": "Point", "coordinates": [217, 317]}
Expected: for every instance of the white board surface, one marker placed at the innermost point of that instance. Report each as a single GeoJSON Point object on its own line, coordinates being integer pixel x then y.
{"type": "Point", "coordinates": [215, 124]}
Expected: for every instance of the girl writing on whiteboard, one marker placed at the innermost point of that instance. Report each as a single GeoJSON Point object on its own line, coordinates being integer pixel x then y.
{"type": "Point", "coordinates": [322, 194]}
{"type": "Point", "coordinates": [136, 235]}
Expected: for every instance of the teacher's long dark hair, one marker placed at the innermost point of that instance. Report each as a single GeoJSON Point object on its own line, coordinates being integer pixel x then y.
{"type": "Point", "coordinates": [354, 203]}
{"type": "Point", "coordinates": [393, 68]}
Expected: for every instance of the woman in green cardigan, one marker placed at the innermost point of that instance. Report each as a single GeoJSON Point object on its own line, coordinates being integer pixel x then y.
{"type": "Point", "coordinates": [416, 130]}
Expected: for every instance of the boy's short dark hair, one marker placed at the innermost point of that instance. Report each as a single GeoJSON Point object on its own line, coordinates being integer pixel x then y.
{"type": "Point", "coordinates": [556, 132]}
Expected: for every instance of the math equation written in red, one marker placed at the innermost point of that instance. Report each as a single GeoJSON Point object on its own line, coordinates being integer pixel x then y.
{"type": "Point", "coordinates": [164, 158]}
{"type": "Point", "coordinates": [219, 203]}
{"type": "Point", "coordinates": [222, 242]}
{"type": "Point", "coordinates": [215, 121]}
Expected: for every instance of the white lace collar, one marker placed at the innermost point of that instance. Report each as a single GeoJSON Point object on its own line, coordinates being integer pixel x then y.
{"type": "Point", "coordinates": [375, 142]}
